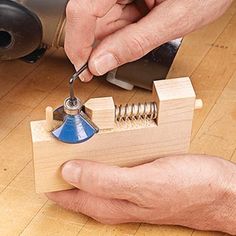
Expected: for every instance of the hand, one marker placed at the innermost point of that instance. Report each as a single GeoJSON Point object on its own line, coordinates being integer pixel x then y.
{"type": "Point", "coordinates": [193, 191]}
{"type": "Point", "coordinates": [129, 31]}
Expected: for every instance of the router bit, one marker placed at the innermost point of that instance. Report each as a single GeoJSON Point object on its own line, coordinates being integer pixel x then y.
{"type": "Point", "coordinates": [76, 127]}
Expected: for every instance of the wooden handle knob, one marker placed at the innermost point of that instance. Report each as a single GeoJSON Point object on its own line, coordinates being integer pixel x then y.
{"type": "Point", "coordinates": [49, 119]}
{"type": "Point", "coordinates": [198, 104]}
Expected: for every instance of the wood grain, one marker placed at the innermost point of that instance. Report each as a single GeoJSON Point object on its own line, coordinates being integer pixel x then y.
{"type": "Point", "coordinates": [129, 143]}
{"type": "Point", "coordinates": [101, 111]}
{"type": "Point", "coordinates": [22, 212]}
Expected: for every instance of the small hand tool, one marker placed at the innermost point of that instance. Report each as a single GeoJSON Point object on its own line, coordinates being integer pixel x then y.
{"type": "Point", "coordinates": [76, 127]}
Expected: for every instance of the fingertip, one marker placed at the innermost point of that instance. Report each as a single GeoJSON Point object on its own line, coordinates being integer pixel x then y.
{"type": "Point", "coordinates": [52, 196]}
{"type": "Point", "coordinates": [71, 172]}
{"type": "Point", "coordinates": [82, 78]}
{"type": "Point", "coordinates": [63, 197]}
{"type": "Point", "coordinates": [85, 76]}
{"type": "Point", "coordinates": [92, 68]}
{"type": "Point", "coordinates": [76, 67]}
{"type": "Point", "coordinates": [103, 63]}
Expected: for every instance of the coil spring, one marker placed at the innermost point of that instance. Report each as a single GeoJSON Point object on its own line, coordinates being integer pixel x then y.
{"type": "Point", "coordinates": [147, 111]}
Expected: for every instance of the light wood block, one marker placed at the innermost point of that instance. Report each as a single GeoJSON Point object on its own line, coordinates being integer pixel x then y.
{"type": "Point", "coordinates": [175, 99]}
{"type": "Point", "coordinates": [101, 111]}
{"type": "Point", "coordinates": [129, 143]}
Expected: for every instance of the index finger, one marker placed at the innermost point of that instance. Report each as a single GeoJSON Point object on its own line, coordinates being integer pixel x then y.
{"type": "Point", "coordinates": [80, 27]}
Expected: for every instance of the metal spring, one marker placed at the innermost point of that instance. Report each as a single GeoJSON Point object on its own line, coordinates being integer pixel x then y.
{"type": "Point", "coordinates": [146, 111]}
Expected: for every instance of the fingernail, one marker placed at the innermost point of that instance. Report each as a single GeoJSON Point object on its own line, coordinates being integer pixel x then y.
{"type": "Point", "coordinates": [71, 172]}
{"type": "Point", "coordinates": [85, 76]}
{"type": "Point", "coordinates": [76, 67]}
{"type": "Point", "coordinates": [105, 63]}
{"type": "Point", "coordinates": [82, 77]}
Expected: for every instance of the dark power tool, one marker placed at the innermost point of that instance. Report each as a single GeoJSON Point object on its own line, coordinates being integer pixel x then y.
{"type": "Point", "coordinates": [29, 27]}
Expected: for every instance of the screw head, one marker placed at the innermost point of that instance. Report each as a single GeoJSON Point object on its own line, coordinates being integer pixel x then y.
{"type": "Point", "coordinates": [72, 107]}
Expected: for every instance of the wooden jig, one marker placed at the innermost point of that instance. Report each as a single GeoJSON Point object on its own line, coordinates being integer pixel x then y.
{"type": "Point", "coordinates": [130, 139]}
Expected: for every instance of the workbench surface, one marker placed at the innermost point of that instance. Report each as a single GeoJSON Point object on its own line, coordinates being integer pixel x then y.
{"type": "Point", "coordinates": [207, 56]}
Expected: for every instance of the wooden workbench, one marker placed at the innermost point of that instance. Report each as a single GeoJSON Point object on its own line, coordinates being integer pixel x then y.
{"type": "Point", "coordinates": [207, 56]}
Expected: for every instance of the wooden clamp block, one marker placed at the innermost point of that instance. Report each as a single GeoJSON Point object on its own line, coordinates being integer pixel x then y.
{"type": "Point", "coordinates": [101, 111]}
{"type": "Point", "coordinates": [124, 143]}
{"type": "Point", "coordinates": [175, 100]}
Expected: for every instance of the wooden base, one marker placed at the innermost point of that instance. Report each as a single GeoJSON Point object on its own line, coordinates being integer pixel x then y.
{"type": "Point", "coordinates": [129, 143]}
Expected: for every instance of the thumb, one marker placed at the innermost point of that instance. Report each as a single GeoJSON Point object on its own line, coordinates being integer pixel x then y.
{"type": "Point", "coordinates": [99, 179]}
{"type": "Point", "coordinates": [128, 44]}
{"type": "Point", "coordinates": [167, 21]}
{"type": "Point", "coordinates": [123, 46]}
